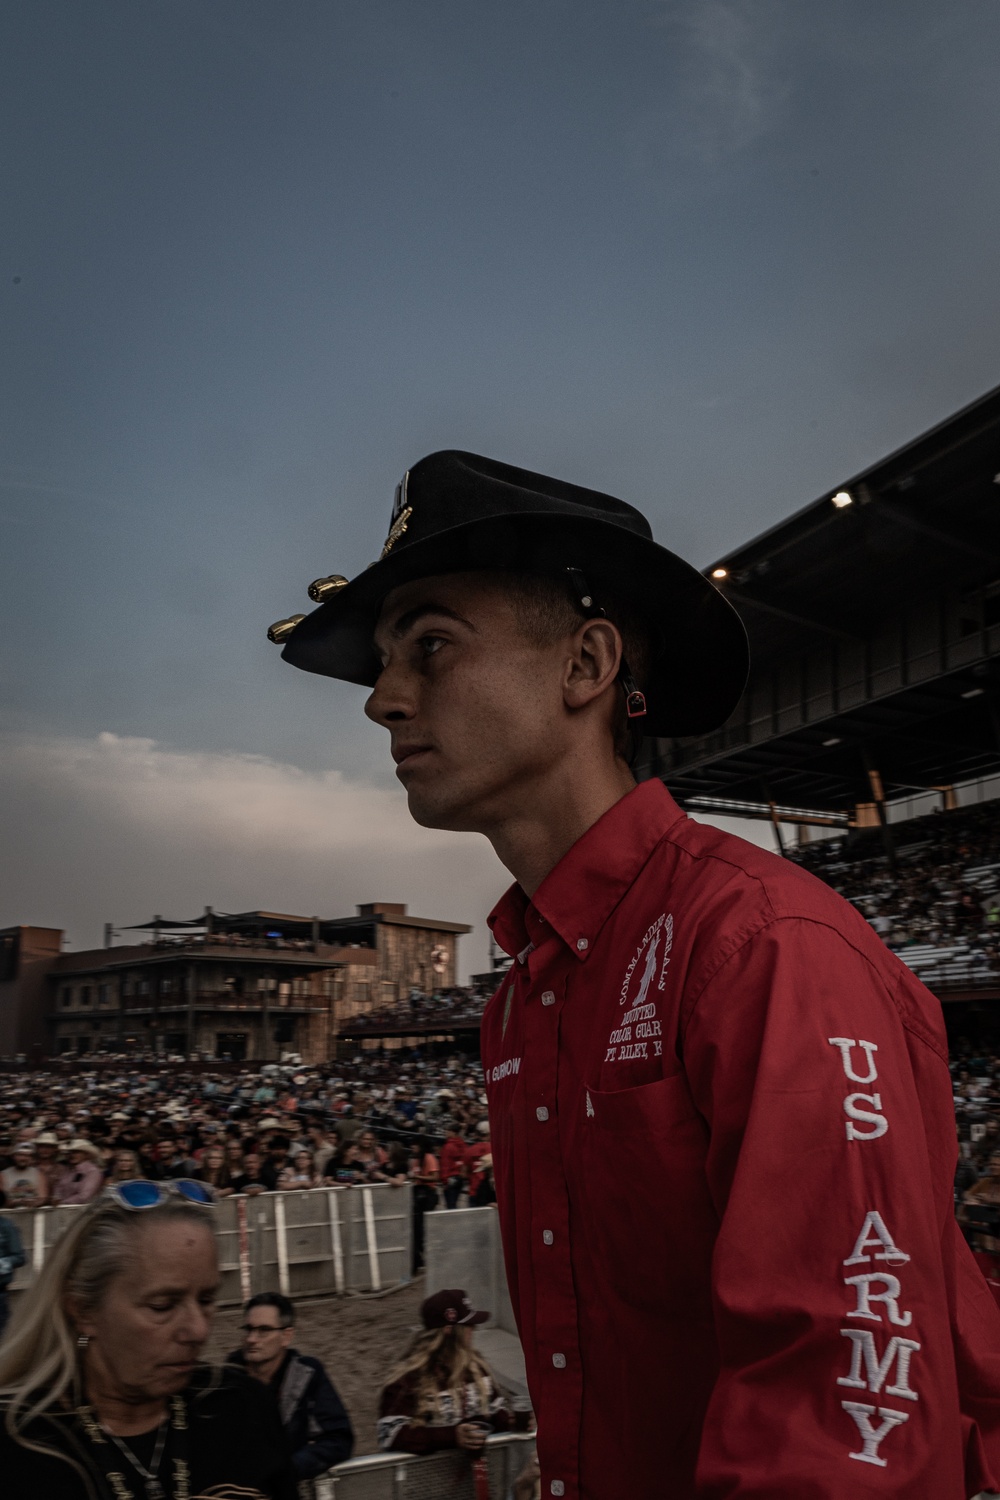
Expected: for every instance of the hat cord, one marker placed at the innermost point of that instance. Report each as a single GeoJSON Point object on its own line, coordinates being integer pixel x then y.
{"type": "Point", "coordinates": [635, 700]}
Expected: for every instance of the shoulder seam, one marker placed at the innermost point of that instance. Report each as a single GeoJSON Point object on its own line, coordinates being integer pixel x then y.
{"type": "Point", "coordinates": [907, 1019]}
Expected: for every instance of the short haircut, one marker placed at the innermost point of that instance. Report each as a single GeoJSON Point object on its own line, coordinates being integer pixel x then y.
{"type": "Point", "coordinates": [285, 1309]}
{"type": "Point", "coordinates": [546, 609]}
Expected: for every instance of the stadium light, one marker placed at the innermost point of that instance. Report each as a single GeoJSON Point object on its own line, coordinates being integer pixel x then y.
{"type": "Point", "coordinates": [720, 572]}
{"type": "Point", "coordinates": [842, 499]}
{"type": "Point", "coordinates": [833, 740]}
{"type": "Point", "coordinates": [973, 692]}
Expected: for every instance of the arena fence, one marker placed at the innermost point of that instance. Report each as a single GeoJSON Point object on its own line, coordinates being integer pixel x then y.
{"type": "Point", "coordinates": [316, 1243]}
{"type": "Point", "coordinates": [443, 1476]}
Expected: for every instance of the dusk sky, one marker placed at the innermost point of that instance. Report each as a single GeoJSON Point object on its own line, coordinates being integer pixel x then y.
{"type": "Point", "coordinates": [261, 255]}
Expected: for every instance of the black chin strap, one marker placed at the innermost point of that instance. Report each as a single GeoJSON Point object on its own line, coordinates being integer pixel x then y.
{"type": "Point", "coordinates": [635, 700]}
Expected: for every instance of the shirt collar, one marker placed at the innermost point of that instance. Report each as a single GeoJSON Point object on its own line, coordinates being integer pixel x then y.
{"type": "Point", "coordinates": [576, 897]}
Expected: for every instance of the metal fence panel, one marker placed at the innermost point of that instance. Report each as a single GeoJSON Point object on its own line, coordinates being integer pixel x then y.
{"type": "Point", "coordinates": [442, 1476]}
{"type": "Point", "coordinates": [379, 1233]}
{"type": "Point", "coordinates": [325, 1241]}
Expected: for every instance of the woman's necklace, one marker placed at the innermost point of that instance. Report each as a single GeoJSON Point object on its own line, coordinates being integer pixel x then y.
{"type": "Point", "coordinates": [174, 1425]}
{"type": "Point", "coordinates": [154, 1489]}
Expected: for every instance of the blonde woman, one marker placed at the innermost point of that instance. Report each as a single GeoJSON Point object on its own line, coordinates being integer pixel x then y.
{"type": "Point", "coordinates": [102, 1396]}
{"type": "Point", "coordinates": [125, 1166]}
{"type": "Point", "coordinates": [443, 1394]}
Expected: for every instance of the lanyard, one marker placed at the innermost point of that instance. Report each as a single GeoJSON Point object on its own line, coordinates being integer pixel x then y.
{"type": "Point", "coordinates": [151, 1487]}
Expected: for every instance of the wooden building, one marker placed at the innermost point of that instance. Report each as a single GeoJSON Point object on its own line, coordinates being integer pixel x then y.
{"type": "Point", "coordinates": [246, 986]}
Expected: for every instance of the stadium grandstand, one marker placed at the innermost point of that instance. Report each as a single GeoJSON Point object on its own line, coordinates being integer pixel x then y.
{"type": "Point", "coordinates": [874, 624]}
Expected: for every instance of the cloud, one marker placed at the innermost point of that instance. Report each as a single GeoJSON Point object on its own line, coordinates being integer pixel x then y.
{"type": "Point", "coordinates": [117, 829]}
{"type": "Point", "coordinates": [726, 91]}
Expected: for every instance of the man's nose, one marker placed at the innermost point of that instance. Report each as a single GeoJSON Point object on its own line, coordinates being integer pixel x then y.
{"type": "Point", "coordinates": [391, 699]}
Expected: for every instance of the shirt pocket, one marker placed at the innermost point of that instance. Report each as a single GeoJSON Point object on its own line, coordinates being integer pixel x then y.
{"type": "Point", "coordinates": [643, 1158]}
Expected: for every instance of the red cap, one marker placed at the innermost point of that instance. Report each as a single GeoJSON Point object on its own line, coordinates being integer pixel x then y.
{"type": "Point", "coordinates": [450, 1309]}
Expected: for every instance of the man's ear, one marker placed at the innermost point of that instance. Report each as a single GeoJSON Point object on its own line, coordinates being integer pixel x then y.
{"type": "Point", "coordinates": [593, 662]}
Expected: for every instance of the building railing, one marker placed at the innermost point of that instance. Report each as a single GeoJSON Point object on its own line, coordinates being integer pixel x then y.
{"type": "Point", "coordinates": [324, 1241]}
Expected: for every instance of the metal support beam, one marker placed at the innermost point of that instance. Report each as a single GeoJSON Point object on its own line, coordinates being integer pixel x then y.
{"type": "Point", "coordinates": [878, 794]}
{"type": "Point", "coordinates": [749, 601]}
{"type": "Point", "coordinates": [944, 538]}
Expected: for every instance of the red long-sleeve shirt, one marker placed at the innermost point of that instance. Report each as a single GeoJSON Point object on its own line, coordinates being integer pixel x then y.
{"type": "Point", "coordinates": [453, 1158]}
{"type": "Point", "coordinates": [724, 1145]}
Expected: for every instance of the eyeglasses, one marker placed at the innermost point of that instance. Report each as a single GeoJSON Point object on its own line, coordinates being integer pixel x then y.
{"type": "Point", "coordinates": [141, 1193]}
{"type": "Point", "coordinates": [249, 1328]}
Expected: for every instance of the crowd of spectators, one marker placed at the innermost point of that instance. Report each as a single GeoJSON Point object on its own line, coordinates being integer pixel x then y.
{"type": "Point", "coordinates": [387, 1117]}
{"type": "Point", "coordinates": [942, 897]}
{"type": "Point", "coordinates": [460, 1005]}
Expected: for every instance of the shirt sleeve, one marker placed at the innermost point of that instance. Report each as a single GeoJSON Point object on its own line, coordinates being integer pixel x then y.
{"type": "Point", "coordinates": [838, 1272]}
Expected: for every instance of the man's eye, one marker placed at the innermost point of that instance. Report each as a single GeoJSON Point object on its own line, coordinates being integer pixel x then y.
{"type": "Point", "coordinates": [430, 644]}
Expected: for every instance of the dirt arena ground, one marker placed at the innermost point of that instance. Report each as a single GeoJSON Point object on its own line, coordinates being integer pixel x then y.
{"type": "Point", "coordinates": [358, 1339]}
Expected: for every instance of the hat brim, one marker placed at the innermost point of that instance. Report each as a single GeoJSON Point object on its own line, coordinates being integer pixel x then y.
{"type": "Point", "coordinates": [477, 1317]}
{"type": "Point", "coordinates": [701, 658]}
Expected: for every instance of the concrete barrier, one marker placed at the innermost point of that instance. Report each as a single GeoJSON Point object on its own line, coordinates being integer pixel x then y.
{"type": "Point", "coordinates": [320, 1242]}
{"type": "Point", "coordinates": [400, 1476]}
{"type": "Point", "coordinates": [462, 1249]}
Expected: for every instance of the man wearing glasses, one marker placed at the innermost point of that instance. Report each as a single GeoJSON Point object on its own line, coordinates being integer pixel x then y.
{"type": "Point", "coordinates": [317, 1426]}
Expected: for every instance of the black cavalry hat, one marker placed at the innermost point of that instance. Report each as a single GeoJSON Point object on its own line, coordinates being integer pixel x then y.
{"type": "Point", "coordinates": [458, 512]}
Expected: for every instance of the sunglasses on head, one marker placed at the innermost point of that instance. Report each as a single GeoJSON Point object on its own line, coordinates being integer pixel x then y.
{"type": "Point", "coordinates": [141, 1193]}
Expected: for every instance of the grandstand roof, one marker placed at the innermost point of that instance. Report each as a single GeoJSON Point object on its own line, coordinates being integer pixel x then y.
{"type": "Point", "coordinates": [874, 623]}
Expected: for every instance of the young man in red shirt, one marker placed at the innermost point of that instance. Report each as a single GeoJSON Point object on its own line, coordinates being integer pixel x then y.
{"type": "Point", "coordinates": [721, 1112]}
{"type": "Point", "coordinates": [453, 1166]}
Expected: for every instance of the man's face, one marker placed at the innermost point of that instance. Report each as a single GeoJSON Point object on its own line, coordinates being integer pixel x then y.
{"type": "Point", "coordinates": [474, 708]}
{"type": "Point", "coordinates": [264, 1336]}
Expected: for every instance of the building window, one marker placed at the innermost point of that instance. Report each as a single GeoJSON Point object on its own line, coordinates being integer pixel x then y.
{"type": "Point", "coordinates": [166, 985]}
{"type": "Point", "coordinates": [104, 994]}
{"type": "Point", "coordinates": [143, 986]}
{"type": "Point", "coordinates": [85, 994]}
{"type": "Point", "coordinates": [66, 1044]}
{"type": "Point", "coordinates": [127, 988]}
{"type": "Point", "coordinates": [66, 997]}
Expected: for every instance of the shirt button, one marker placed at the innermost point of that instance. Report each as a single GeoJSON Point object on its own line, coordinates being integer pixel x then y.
{"type": "Point", "coordinates": [559, 1360]}
{"type": "Point", "coordinates": [548, 997]}
{"type": "Point", "coordinates": [541, 1113]}
{"type": "Point", "coordinates": [582, 944]}
{"type": "Point", "coordinates": [557, 1487]}
{"type": "Point", "coordinates": [547, 1237]}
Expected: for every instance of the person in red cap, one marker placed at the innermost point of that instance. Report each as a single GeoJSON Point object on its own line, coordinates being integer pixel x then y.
{"type": "Point", "coordinates": [442, 1394]}
{"type": "Point", "coordinates": [721, 1114]}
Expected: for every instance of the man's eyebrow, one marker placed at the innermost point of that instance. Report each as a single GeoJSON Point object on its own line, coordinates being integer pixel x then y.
{"type": "Point", "coordinates": [410, 617]}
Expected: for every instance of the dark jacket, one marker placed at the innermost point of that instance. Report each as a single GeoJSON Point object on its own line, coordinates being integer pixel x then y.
{"type": "Point", "coordinates": [235, 1447]}
{"type": "Point", "coordinates": [11, 1251]}
{"type": "Point", "coordinates": [317, 1426]}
